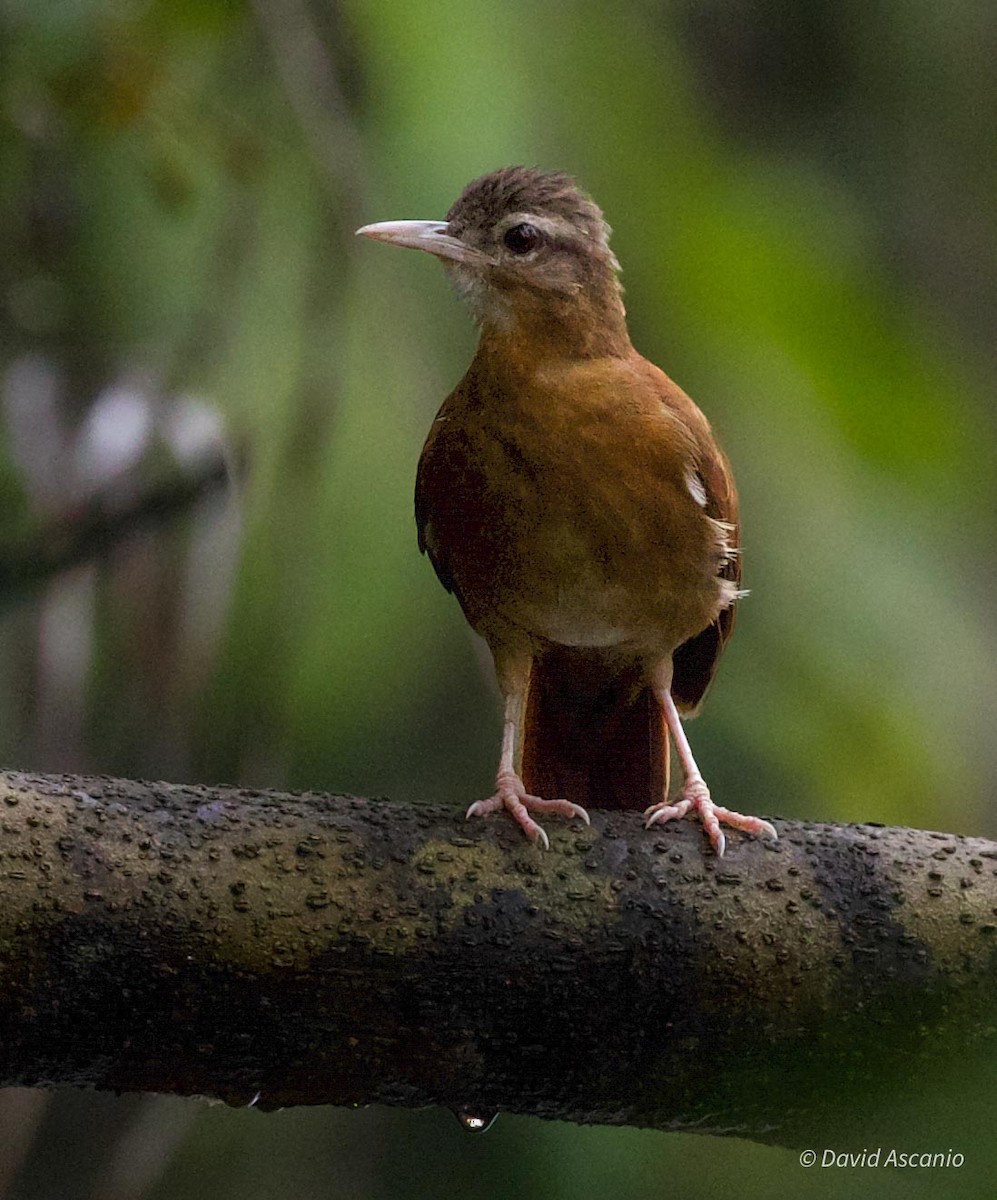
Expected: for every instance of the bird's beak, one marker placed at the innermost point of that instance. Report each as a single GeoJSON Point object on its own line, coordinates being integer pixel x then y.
{"type": "Point", "coordinates": [431, 236]}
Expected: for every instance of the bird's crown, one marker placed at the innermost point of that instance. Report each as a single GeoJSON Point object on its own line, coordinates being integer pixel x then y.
{"type": "Point", "coordinates": [548, 196]}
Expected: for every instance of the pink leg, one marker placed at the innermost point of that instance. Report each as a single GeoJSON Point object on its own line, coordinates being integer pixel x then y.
{"type": "Point", "coordinates": [695, 793]}
{"type": "Point", "coordinates": [510, 793]}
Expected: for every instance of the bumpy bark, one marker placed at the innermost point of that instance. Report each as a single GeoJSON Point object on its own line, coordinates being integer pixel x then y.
{"type": "Point", "coordinates": [305, 949]}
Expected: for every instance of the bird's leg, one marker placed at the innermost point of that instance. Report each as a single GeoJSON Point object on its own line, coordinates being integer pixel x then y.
{"type": "Point", "coordinates": [510, 792]}
{"type": "Point", "coordinates": [695, 793]}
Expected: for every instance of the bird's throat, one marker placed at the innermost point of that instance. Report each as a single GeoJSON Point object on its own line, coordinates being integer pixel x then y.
{"type": "Point", "coordinates": [533, 325]}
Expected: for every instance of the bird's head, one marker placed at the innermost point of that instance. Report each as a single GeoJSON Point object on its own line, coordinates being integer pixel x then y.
{"type": "Point", "coordinates": [529, 251]}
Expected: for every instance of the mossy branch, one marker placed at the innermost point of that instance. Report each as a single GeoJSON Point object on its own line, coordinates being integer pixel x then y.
{"type": "Point", "coordinates": [306, 949]}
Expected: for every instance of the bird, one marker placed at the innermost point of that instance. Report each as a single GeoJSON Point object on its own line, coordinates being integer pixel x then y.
{"type": "Point", "coordinates": [577, 504]}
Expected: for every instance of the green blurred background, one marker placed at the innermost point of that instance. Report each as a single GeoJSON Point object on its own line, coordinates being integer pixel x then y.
{"type": "Point", "coordinates": [802, 193]}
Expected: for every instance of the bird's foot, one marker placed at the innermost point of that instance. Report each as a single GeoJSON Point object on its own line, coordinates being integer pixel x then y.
{"type": "Point", "coordinates": [511, 795]}
{"type": "Point", "coordinates": [696, 797]}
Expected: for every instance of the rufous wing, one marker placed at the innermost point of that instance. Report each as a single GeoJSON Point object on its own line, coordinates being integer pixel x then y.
{"type": "Point", "coordinates": [445, 457]}
{"type": "Point", "coordinates": [695, 662]}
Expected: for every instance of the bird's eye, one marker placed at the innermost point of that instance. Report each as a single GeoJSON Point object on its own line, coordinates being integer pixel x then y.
{"type": "Point", "coordinates": [521, 239]}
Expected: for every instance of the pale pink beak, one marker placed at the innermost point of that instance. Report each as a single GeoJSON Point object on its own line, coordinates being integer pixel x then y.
{"type": "Point", "coordinates": [431, 236]}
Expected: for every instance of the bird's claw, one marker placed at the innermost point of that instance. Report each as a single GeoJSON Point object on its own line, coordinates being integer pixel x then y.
{"type": "Point", "coordinates": [513, 797]}
{"type": "Point", "coordinates": [696, 796]}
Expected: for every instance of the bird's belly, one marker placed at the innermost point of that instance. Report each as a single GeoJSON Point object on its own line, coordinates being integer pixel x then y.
{"type": "Point", "coordinates": [576, 590]}
{"type": "Point", "coordinates": [579, 616]}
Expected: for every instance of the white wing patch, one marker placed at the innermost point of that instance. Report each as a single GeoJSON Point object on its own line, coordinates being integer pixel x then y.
{"type": "Point", "coordinates": [724, 531]}
{"type": "Point", "coordinates": [729, 591]}
{"type": "Point", "coordinates": [697, 489]}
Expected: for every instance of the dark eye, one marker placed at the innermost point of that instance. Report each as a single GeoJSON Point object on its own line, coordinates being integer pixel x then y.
{"type": "Point", "coordinates": [521, 239]}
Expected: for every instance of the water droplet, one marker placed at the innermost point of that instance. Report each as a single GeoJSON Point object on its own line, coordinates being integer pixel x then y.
{"type": "Point", "coordinates": [475, 1122]}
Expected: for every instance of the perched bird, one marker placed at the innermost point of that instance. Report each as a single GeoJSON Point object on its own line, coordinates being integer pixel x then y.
{"type": "Point", "coordinates": [574, 500]}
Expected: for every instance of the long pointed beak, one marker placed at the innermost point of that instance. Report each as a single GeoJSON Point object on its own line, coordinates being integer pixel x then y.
{"type": "Point", "coordinates": [431, 236]}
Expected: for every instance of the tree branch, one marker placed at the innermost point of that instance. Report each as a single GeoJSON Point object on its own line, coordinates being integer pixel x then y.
{"type": "Point", "coordinates": [106, 520]}
{"type": "Point", "coordinates": [306, 949]}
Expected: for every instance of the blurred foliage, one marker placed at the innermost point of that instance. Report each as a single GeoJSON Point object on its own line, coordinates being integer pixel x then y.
{"type": "Point", "coordinates": [802, 194]}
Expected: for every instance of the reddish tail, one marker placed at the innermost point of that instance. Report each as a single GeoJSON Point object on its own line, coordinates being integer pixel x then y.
{"type": "Point", "coordinates": [593, 738]}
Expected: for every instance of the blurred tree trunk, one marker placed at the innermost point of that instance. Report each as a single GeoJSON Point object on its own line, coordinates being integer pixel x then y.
{"type": "Point", "coordinates": [304, 949]}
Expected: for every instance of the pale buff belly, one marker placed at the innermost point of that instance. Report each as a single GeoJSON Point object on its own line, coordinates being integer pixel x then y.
{"type": "Point", "coordinates": [575, 590]}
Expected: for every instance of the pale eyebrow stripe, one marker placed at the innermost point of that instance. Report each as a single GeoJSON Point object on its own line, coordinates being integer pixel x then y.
{"type": "Point", "coordinates": [559, 229]}
{"type": "Point", "coordinates": [554, 226]}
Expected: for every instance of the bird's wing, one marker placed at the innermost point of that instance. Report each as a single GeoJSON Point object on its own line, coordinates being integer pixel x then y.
{"type": "Point", "coordinates": [449, 490]}
{"type": "Point", "coordinates": [695, 661]}
{"type": "Point", "coordinates": [431, 487]}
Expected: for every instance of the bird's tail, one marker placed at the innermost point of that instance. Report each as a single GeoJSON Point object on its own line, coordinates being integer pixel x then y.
{"type": "Point", "coordinates": [591, 736]}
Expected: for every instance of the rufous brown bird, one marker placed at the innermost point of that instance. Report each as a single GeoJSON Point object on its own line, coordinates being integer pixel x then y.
{"type": "Point", "coordinates": [574, 500]}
